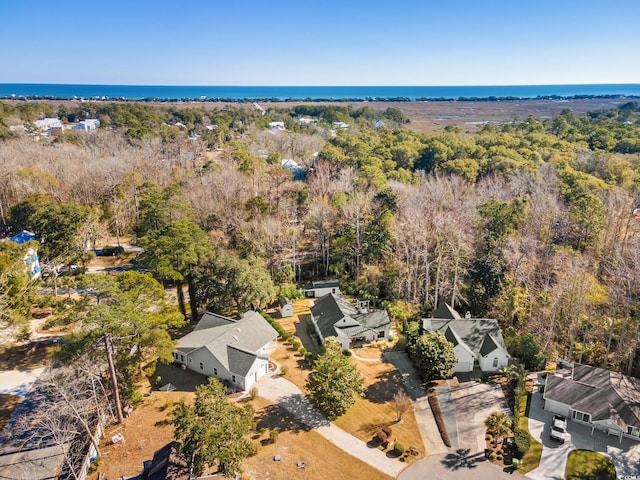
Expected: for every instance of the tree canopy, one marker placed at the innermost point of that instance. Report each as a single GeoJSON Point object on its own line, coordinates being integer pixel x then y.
{"type": "Point", "coordinates": [433, 355]}
{"type": "Point", "coordinates": [334, 381]}
{"type": "Point", "coordinates": [213, 431]}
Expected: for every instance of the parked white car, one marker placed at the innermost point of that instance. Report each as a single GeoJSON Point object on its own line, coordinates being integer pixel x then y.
{"type": "Point", "coordinates": [558, 428]}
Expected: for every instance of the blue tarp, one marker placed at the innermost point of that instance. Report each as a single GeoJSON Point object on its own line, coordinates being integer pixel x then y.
{"type": "Point", "coordinates": [23, 237]}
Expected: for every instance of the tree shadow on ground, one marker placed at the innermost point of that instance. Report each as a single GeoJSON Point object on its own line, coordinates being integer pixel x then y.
{"type": "Point", "coordinates": [299, 406]}
{"type": "Point", "coordinates": [461, 459]}
{"type": "Point", "coordinates": [273, 416]}
{"type": "Point", "coordinates": [385, 387]}
{"type": "Point", "coordinates": [371, 428]}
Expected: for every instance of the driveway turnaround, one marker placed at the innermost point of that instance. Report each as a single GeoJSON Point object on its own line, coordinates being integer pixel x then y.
{"type": "Point", "coordinates": [474, 402]}
{"type": "Point", "coordinates": [625, 453]}
{"type": "Point", "coordinates": [456, 466]}
{"type": "Point", "coordinates": [288, 396]}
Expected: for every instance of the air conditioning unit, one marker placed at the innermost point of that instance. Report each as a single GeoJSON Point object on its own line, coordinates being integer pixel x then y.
{"type": "Point", "coordinates": [183, 366]}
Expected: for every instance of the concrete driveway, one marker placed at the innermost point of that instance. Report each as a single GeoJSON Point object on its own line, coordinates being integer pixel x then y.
{"type": "Point", "coordinates": [473, 403]}
{"type": "Point", "coordinates": [456, 466]}
{"type": "Point", "coordinates": [624, 454]}
{"type": "Point", "coordinates": [18, 382]}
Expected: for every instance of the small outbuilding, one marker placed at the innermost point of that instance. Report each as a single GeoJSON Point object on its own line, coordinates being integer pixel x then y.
{"type": "Point", "coordinates": [285, 307]}
{"type": "Point", "coordinates": [320, 288]}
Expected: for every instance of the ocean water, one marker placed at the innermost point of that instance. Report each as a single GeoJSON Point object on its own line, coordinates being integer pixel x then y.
{"type": "Point", "coordinates": [138, 92]}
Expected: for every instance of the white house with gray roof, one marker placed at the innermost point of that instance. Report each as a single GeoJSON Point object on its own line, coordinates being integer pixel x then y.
{"type": "Point", "coordinates": [233, 350]}
{"type": "Point", "coordinates": [476, 341]}
{"type": "Point", "coordinates": [333, 316]}
{"type": "Point", "coordinates": [604, 400]}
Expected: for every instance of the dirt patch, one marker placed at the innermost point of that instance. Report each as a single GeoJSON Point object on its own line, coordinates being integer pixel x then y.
{"type": "Point", "coordinates": [144, 431]}
{"type": "Point", "coordinates": [8, 405]}
{"type": "Point", "coordinates": [26, 356]}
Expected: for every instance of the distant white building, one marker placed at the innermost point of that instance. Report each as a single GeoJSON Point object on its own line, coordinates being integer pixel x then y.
{"type": "Point", "coordinates": [342, 125]}
{"type": "Point", "coordinates": [306, 121]}
{"type": "Point", "coordinates": [276, 126]}
{"type": "Point", "coordinates": [87, 125]}
{"type": "Point", "coordinates": [49, 125]}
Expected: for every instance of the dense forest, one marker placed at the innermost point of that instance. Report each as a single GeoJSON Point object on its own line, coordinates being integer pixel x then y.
{"type": "Point", "coordinates": [532, 222]}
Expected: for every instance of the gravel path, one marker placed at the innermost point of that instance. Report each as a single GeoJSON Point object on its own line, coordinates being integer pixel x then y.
{"type": "Point", "coordinates": [288, 396]}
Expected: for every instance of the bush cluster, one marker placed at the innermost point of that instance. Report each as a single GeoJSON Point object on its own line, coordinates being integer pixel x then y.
{"type": "Point", "coordinates": [399, 449]}
{"type": "Point", "coordinates": [522, 441]}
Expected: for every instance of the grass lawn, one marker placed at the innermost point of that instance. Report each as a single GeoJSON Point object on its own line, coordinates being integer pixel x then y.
{"type": "Point", "coordinates": [531, 459]}
{"type": "Point", "coordinates": [382, 381]}
{"type": "Point", "coordinates": [295, 443]}
{"type": "Point", "coordinates": [8, 405]}
{"type": "Point", "coordinates": [588, 465]}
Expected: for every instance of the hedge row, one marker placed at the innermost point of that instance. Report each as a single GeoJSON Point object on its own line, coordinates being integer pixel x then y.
{"type": "Point", "coordinates": [437, 413]}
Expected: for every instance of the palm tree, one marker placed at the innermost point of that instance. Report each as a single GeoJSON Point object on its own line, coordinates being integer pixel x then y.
{"type": "Point", "coordinates": [498, 424]}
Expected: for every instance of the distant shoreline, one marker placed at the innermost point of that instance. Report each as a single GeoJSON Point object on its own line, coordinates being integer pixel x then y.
{"type": "Point", "coordinates": [492, 98]}
{"type": "Point", "coordinates": [290, 94]}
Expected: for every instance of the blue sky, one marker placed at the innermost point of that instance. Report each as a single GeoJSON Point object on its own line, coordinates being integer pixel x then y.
{"type": "Point", "coordinates": [329, 42]}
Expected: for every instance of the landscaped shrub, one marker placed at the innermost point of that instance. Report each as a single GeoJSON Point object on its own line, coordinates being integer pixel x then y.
{"type": "Point", "coordinates": [522, 441]}
{"type": "Point", "coordinates": [284, 370]}
{"type": "Point", "coordinates": [309, 357]}
{"type": "Point", "coordinates": [296, 344]}
{"type": "Point", "coordinates": [515, 463]}
{"type": "Point", "coordinates": [437, 413]}
{"type": "Point", "coordinates": [399, 449]}
{"type": "Point", "coordinates": [273, 436]}
{"type": "Point", "coordinates": [303, 351]}
{"type": "Point", "coordinates": [488, 437]}
{"type": "Point", "coordinates": [492, 456]}
{"type": "Point", "coordinates": [253, 393]}
{"type": "Point", "coordinates": [112, 251]}
{"type": "Point", "coordinates": [347, 353]}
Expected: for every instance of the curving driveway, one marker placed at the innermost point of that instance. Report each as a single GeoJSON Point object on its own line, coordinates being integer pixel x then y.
{"type": "Point", "coordinates": [288, 396]}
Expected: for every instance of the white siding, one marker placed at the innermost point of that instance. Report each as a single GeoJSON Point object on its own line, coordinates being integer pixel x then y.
{"type": "Point", "coordinates": [258, 370]}
{"type": "Point", "coordinates": [465, 359]}
{"type": "Point", "coordinates": [554, 406]}
{"type": "Point", "coordinates": [210, 364]}
{"type": "Point", "coordinates": [486, 362]}
{"type": "Point", "coordinates": [286, 311]}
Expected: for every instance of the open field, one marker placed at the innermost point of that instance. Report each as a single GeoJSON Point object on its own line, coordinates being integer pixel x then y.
{"type": "Point", "coordinates": [434, 116]}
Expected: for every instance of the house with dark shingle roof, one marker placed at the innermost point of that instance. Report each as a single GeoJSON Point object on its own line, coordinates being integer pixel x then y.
{"type": "Point", "coordinates": [167, 464]}
{"type": "Point", "coordinates": [476, 341]}
{"type": "Point", "coordinates": [604, 400]}
{"type": "Point", "coordinates": [233, 350]}
{"type": "Point", "coordinates": [334, 316]}
{"type": "Point", "coordinates": [320, 288]}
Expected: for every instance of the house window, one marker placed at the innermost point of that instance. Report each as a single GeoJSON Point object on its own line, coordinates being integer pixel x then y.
{"type": "Point", "coordinates": [201, 366]}
{"type": "Point", "coordinates": [633, 431]}
{"type": "Point", "coordinates": [381, 334]}
{"type": "Point", "coordinates": [181, 358]}
{"type": "Point", "coordinates": [495, 362]}
{"type": "Point", "coordinates": [233, 378]}
{"type": "Point", "coordinates": [189, 359]}
{"type": "Point", "coordinates": [582, 417]}
{"type": "Point", "coordinates": [215, 371]}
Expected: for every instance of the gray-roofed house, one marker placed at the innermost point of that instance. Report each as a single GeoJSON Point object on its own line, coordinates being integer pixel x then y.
{"type": "Point", "coordinates": [320, 288]}
{"type": "Point", "coordinates": [604, 400]}
{"type": "Point", "coordinates": [334, 316]}
{"type": "Point", "coordinates": [285, 307]}
{"type": "Point", "coordinates": [476, 341]}
{"type": "Point", "coordinates": [233, 350]}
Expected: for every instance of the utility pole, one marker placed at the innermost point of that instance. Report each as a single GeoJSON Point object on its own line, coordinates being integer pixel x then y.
{"type": "Point", "coordinates": [114, 380]}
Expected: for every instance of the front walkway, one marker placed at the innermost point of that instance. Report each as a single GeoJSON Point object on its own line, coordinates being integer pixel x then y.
{"type": "Point", "coordinates": [288, 396]}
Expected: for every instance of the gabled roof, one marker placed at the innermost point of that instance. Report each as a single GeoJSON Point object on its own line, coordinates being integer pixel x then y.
{"type": "Point", "coordinates": [445, 310]}
{"type": "Point", "coordinates": [603, 394]}
{"type": "Point", "coordinates": [216, 333]}
{"type": "Point", "coordinates": [23, 237]}
{"type": "Point", "coordinates": [331, 309]}
{"type": "Point", "coordinates": [480, 335]}
{"type": "Point", "coordinates": [322, 284]}
{"type": "Point", "coordinates": [283, 301]}
{"type": "Point", "coordinates": [167, 464]}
